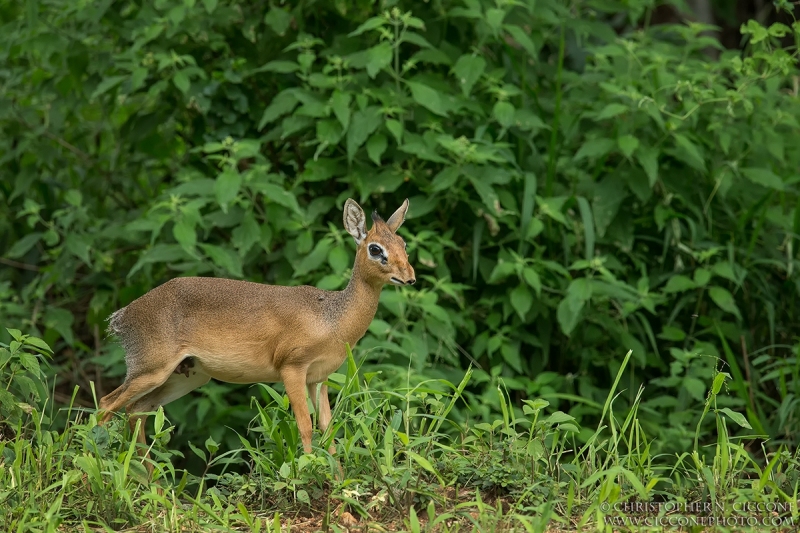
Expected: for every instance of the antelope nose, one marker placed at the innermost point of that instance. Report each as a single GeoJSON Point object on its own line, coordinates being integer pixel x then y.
{"type": "Point", "coordinates": [411, 281]}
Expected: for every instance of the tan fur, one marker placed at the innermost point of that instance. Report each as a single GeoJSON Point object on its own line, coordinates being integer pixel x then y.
{"type": "Point", "coordinates": [244, 332]}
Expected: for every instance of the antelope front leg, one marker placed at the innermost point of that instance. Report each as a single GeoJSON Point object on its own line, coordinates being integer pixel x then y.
{"type": "Point", "coordinates": [323, 408]}
{"type": "Point", "coordinates": [294, 379]}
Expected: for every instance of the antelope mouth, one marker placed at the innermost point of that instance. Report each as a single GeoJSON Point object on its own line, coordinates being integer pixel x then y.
{"type": "Point", "coordinates": [396, 281]}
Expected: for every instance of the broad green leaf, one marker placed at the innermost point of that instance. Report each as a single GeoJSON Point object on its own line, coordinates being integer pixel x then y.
{"type": "Point", "coordinates": [379, 57]}
{"type": "Point", "coordinates": [329, 131]}
{"type": "Point", "coordinates": [764, 177]}
{"type": "Point", "coordinates": [23, 246]}
{"type": "Point", "coordinates": [648, 158]}
{"type": "Point", "coordinates": [521, 300]}
{"type": "Point", "coordinates": [181, 81]}
{"type": "Point", "coordinates": [702, 277]}
{"type": "Point", "coordinates": [106, 85]}
{"type": "Point", "coordinates": [364, 123]}
{"type": "Point", "coordinates": [283, 103]}
{"type": "Point", "coordinates": [246, 234]}
{"type": "Point", "coordinates": [369, 24]}
{"type": "Point", "coordinates": [184, 233]}
{"type": "Point", "coordinates": [594, 148]}
{"type": "Point", "coordinates": [724, 300]}
{"type": "Point", "coordinates": [552, 207]}
{"type": "Point", "coordinates": [739, 418]}
{"type": "Point", "coordinates": [227, 260]}
{"type": "Point", "coordinates": [612, 110]}
{"type": "Point", "coordinates": [468, 70]}
{"type": "Point", "coordinates": [279, 195]}
{"type": "Point", "coordinates": [445, 179]}
{"type": "Point", "coordinates": [340, 103]}
{"type": "Point", "coordinates": [280, 67]}
{"type": "Point", "coordinates": [695, 387]}
{"type": "Point", "coordinates": [339, 259]}
{"type": "Point", "coordinates": [428, 98]}
{"type": "Point", "coordinates": [522, 38]}
{"type": "Point", "coordinates": [395, 127]}
{"type": "Point", "coordinates": [609, 195]}
{"type": "Point", "coordinates": [210, 5]}
{"type": "Point", "coordinates": [679, 283]}
{"type": "Point", "coordinates": [278, 20]}
{"type": "Point", "coordinates": [531, 277]}
{"type": "Point", "coordinates": [494, 18]}
{"type": "Point", "coordinates": [690, 152]}
{"type": "Point", "coordinates": [376, 146]}
{"type": "Point", "coordinates": [501, 271]}
{"type": "Point", "coordinates": [627, 145]}
{"type": "Point", "coordinates": [503, 113]}
{"type": "Point", "coordinates": [227, 187]}
{"type": "Point", "coordinates": [160, 253]}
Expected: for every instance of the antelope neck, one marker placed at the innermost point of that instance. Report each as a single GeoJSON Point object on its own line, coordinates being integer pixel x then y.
{"type": "Point", "coordinates": [358, 303]}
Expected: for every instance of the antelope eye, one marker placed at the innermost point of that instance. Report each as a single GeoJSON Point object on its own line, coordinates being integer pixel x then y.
{"type": "Point", "coordinates": [375, 250]}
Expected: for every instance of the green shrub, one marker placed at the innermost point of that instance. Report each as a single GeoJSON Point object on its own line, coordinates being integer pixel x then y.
{"type": "Point", "coordinates": [574, 191]}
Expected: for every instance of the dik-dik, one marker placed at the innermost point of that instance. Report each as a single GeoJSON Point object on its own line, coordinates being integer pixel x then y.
{"type": "Point", "coordinates": [183, 333]}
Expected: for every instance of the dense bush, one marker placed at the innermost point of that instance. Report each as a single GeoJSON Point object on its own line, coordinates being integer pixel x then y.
{"type": "Point", "coordinates": [578, 188]}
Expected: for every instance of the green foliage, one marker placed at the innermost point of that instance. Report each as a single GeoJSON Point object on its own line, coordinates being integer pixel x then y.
{"type": "Point", "coordinates": [21, 378]}
{"type": "Point", "coordinates": [575, 187]}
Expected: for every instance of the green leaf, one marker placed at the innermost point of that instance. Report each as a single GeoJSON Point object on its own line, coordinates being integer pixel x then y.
{"type": "Point", "coordinates": [702, 277]}
{"type": "Point", "coordinates": [279, 195]}
{"type": "Point", "coordinates": [648, 158]}
{"type": "Point", "coordinates": [609, 195]}
{"type": "Point", "coordinates": [280, 67]}
{"type": "Point", "coordinates": [184, 233]}
{"type": "Point", "coordinates": [227, 186]}
{"type": "Point", "coordinates": [364, 122]}
{"type": "Point", "coordinates": [689, 152]}
{"type": "Point", "coordinates": [23, 246]}
{"type": "Point", "coordinates": [160, 253]}
{"type": "Point", "coordinates": [468, 70]}
{"type": "Point", "coordinates": [739, 418]}
{"type": "Point", "coordinates": [501, 271]}
{"type": "Point", "coordinates": [445, 179]}
{"type": "Point", "coordinates": [522, 38]}
{"type": "Point", "coordinates": [531, 277]}
{"type": "Point", "coordinates": [521, 300]}
{"type": "Point", "coordinates": [227, 260]}
{"type": "Point", "coordinates": [428, 98]}
{"type": "Point", "coordinates": [395, 127]}
{"type": "Point", "coordinates": [210, 5]}
{"type": "Point", "coordinates": [181, 81]}
{"type": "Point", "coordinates": [106, 85]}
{"type": "Point", "coordinates": [329, 132]}
{"type": "Point", "coordinates": [494, 18]}
{"type": "Point", "coordinates": [339, 259]}
{"type": "Point", "coordinates": [379, 57]}
{"type": "Point", "coordinates": [503, 113]}
{"type": "Point", "coordinates": [38, 343]}
{"type": "Point", "coordinates": [695, 388]}
{"type": "Point", "coordinates": [627, 145]}
{"type": "Point", "coordinates": [679, 283]}
{"type": "Point", "coordinates": [612, 110]}
{"type": "Point", "coordinates": [278, 20]}
{"type": "Point", "coordinates": [246, 234]}
{"type": "Point", "coordinates": [594, 148]}
{"type": "Point", "coordinates": [283, 103]}
{"type": "Point", "coordinates": [376, 146]}
{"type": "Point", "coordinates": [764, 177]}
{"type": "Point", "coordinates": [369, 24]}
{"type": "Point", "coordinates": [340, 103]}
{"type": "Point", "coordinates": [724, 300]}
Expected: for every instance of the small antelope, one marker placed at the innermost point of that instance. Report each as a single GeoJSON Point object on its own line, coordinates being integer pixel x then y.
{"type": "Point", "coordinates": [183, 333]}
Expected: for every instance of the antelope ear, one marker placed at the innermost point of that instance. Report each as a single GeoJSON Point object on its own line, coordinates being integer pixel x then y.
{"type": "Point", "coordinates": [354, 220]}
{"type": "Point", "coordinates": [398, 217]}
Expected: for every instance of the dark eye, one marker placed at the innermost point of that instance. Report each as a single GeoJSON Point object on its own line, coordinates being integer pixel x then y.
{"type": "Point", "coordinates": [374, 249]}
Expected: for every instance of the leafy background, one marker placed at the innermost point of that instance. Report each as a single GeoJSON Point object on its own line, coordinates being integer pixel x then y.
{"type": "Point", "coordinates": [583, 181]}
